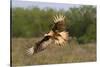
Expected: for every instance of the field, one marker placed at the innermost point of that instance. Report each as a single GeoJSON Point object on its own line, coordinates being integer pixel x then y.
{"type": "Point", "coordinates": [70, 53]}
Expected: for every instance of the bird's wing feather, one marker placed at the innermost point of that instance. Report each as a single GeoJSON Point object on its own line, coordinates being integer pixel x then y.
{"type": "Point", "coordinates": [59, 26]}
{"type": "Point", "coordinates": [41, 45]}
{"type": "Point", "coordinates": [59, 23]}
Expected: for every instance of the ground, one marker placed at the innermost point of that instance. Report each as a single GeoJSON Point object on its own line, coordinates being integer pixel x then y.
{"type": "Point", "coordinates": [70, 53]}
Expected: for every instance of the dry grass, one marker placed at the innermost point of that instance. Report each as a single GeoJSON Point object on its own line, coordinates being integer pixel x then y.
{"type": "Point", "coordinates": [53, 54]}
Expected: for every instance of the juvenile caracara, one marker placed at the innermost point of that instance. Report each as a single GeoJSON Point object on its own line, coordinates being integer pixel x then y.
{"type": "Point", "coordinates": [57, 35]}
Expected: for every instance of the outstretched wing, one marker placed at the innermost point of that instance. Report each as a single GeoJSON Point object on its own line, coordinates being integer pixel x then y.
{"type": "Point", "coordinates": [56, 35]}
{"type": "Point", "coordinates": [59, 25]}
{"type": "Point", "coordinates": [40, 45]}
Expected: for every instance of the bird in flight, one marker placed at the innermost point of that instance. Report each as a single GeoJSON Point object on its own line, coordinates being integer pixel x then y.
{"type": "Point", "coordinates": [57, 35]}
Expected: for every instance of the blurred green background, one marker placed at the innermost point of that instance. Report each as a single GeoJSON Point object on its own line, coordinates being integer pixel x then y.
{"type": "Point", "coordinates": [35, 22]}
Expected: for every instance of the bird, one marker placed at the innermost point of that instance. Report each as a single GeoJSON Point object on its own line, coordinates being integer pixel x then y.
{"type": "Point", "coordinates": [57, 35]}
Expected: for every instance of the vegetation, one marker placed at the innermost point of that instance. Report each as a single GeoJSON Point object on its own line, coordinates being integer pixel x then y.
{"type": "Point", "coordinates": [34, 22]}
{"type": "Point", "coordinates": [74, 53]}
{"type": "Point", "coordinates": [29, 24]}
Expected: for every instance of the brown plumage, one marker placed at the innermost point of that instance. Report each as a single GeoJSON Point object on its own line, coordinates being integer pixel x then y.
{"type": "Point", "coordinates": [57, 35]}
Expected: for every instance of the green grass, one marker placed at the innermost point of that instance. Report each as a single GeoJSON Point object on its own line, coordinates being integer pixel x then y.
{"type": "Point", "coordinates": [53, 54]}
